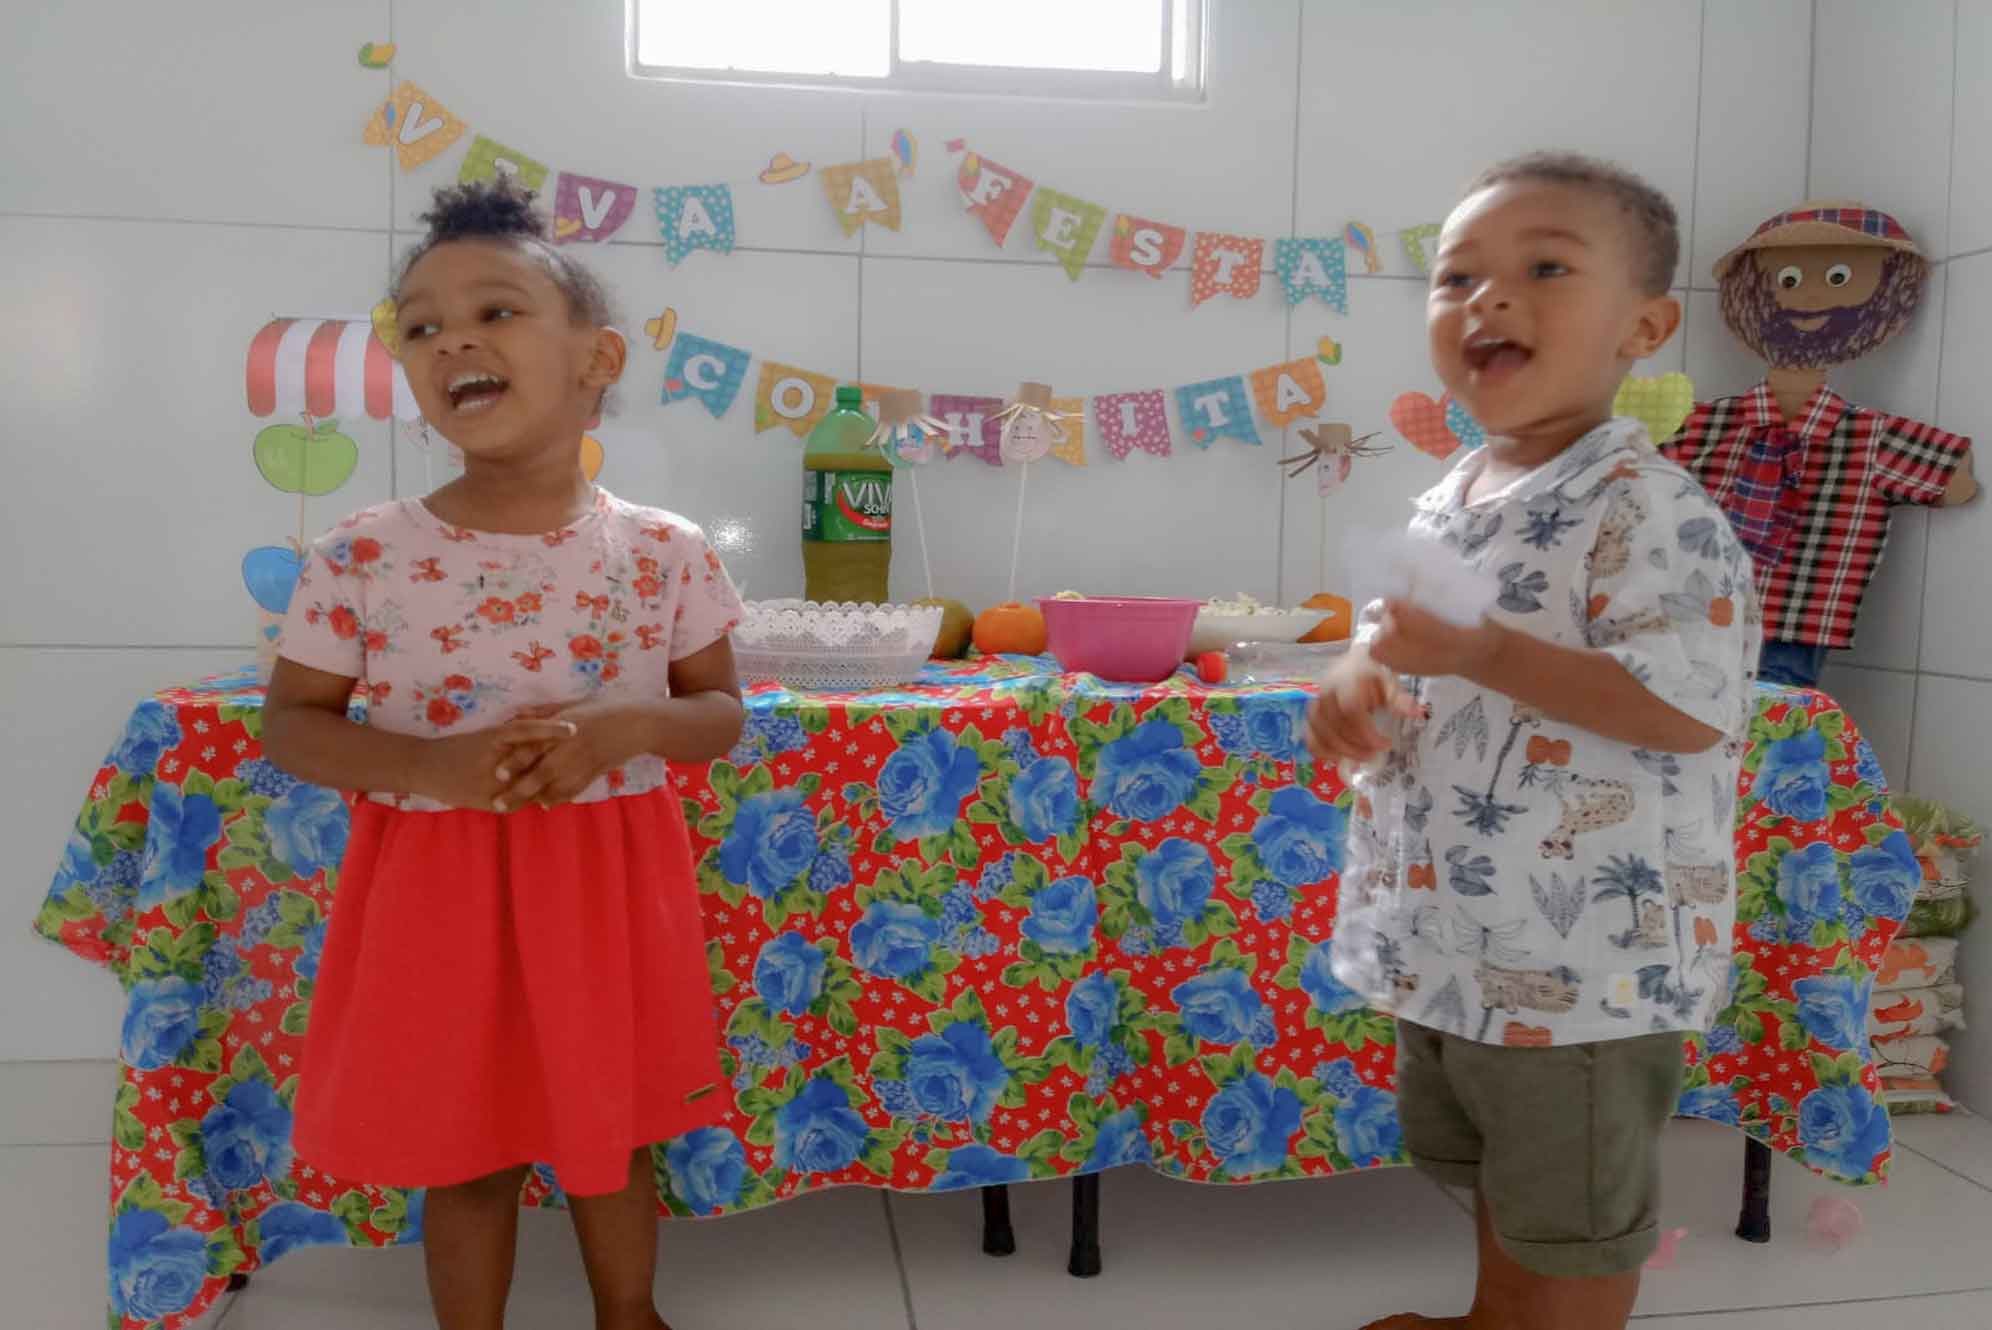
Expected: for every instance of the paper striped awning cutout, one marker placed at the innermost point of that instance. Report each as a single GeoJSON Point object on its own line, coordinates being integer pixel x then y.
{"type": "Point", "coordinates": [325, 367]}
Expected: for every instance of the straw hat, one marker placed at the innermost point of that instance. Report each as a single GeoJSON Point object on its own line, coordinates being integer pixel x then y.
{"type": "Point", "coordinates": [783, 168]}
{"type": "Point", "coordinates": [1824, 223]}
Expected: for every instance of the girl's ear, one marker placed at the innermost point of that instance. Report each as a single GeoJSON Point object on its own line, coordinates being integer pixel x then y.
{"type": "Point", "coordinates": [606, 358]}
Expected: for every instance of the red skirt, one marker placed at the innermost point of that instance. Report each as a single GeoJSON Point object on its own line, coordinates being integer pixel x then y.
{"type": "Point", "coordinates": [501, 990]}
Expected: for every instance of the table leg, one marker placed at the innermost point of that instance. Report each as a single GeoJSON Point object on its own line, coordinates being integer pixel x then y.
{"type": "Point", "coordinates": [998, 1238]}
{"type": "Point", "coordinates": [1085, 1262]}
{"type": "Point", "coordinates": [1755, 1223]}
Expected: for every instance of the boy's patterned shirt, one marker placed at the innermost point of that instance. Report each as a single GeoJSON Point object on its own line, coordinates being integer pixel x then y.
{"type": "Point", "coordinates": [1516, 880]}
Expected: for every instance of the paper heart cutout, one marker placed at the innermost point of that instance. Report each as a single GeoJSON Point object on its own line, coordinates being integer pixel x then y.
{"type": "Point", "coordinates": [270, 572]}
{"type": "Point", "coordinates": [385, 328]}
{"type": "Point", "coordinates": [1328, 351]}
{"type": "Point", "coordinates": [1464, 427]}
{"type": "Point", "coordinates": [375, 55]}
{"type": "Point", "coordinates": [675, 385]}
{"type": "Point", "coordinates": [1660, 404]}
{"type": "Point", "coordinates": [565, 226]}
{"type": "Point", "coordinates": [1422, 422]}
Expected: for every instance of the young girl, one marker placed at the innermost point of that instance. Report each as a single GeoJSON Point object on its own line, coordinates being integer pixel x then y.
{"type": "Point", "coordinates": [516, 970]}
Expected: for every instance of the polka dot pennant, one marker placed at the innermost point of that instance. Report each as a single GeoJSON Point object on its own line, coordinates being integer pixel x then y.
{"type": "Point", "coordinates": [1313, 265]}
{"type": "Point", "coordinates": [1225, 263]}
{"type": "Point", "coordinates": [1217, 408]}
{"type": "Point", "coordinates": [1133, 420]}
{"type": "Point", "coordinates": [693, 217]}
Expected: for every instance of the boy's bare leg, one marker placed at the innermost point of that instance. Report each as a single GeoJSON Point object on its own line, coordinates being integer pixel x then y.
{"type": "Point", "coordinates": [618, 1236]}
{"type": "Point", "coordinates": [1509, 1296]}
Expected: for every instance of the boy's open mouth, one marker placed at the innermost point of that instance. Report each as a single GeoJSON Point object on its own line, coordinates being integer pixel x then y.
{"type": "Point", "coordinates": [1496, 353]}
{"type": "Point", "coordinates": [475, 390]}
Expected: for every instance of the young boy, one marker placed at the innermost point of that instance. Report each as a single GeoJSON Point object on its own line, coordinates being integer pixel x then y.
{"type": "Point", "coordinates": [1540, 875]}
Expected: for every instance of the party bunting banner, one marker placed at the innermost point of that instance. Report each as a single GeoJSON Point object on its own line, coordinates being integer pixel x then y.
{"type": "Point", "coordinates": [792, 397]}
{"type": "Point", "coordinates": [695, 217]}
{"type": "Point", "coordinates": [1133, 420]}
{"type": "Point", "coordinates": [1215, 409]}
{"type": "Point", "coordinates": [1068, 436]}
{"type": "Point", "coordinates": [1145, 246]}
{"type": "Point", "coordinates": [708, 372]}
{"type": "Point", "coordinates": [972, 425]}
{"type": "Point", "coordinates": [488, 159]}
{"type": "Point", "coordinates": [1313, 265]}
{"type": "Point", "coordinates": [994, 193]}
{"type": "Point", "coordinates": [415, 124]}
{"type": "Point", "coordinates": [585, 208]}
{"type": "Point", "coordinates": [1225, 263]}
{"type": "Point", "coordinates": [1289, 392]}
{"type": "Point", "coordinates": [861, 192]}
{"type": "Point", "coordinates": [1418, 245]}
{"type": "Point", "coordinates": [1066, 226]}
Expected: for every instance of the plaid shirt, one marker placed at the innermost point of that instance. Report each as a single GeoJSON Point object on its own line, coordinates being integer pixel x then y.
{"type": "Point", "coordinates": [1811, 503]}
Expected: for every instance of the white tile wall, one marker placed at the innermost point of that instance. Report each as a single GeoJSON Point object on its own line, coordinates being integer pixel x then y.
{"type": "Point", "coordinates": [133, 493]}
{"type": "Point", "coordinates": [208, 112]}
{"type": "Point", "coordinates": [1752, 158]}
{"type": "Point", "coordinates": [1957, 634]}
{"type": "Point", "coordinates": [1890, 149]}
{"type": "Point", "coordinates": [1469, 84]}
{"type": "Point", "coordinates": [1971, 183]}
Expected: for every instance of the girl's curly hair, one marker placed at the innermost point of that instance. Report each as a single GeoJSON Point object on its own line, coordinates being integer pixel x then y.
{"type": "Point", "coordinates": [500, 209]}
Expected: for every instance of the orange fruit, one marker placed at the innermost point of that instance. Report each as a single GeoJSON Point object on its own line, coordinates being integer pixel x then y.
{"type": "Point", "coordinates": [1010, 629]}
{"type": "Point", "coordinates": [1341, 618]}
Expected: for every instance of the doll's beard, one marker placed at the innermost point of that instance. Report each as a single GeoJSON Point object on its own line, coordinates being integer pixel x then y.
{"type": "Point", "coordinates": [1750, 307]}
{"type": "Point", "coordinates": [1848, 334]}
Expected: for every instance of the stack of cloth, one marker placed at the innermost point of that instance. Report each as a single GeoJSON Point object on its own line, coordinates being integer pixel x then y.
{"type": "Point", "coordinates": [1917, 996]}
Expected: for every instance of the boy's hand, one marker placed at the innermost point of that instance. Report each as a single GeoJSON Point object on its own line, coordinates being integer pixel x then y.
{"type": "Point", "coordinates": [1415, 641]}
{"type": "Point", "coordinates": [472, 770]}
{"type": "Point", "coordinates": [1339, 722]}
{"type": "Point", "coordinates": [591, 743]}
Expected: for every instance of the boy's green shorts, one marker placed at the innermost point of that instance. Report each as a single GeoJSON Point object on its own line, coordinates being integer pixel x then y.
{"type": "Point", "coordinates": [1564, 1143]}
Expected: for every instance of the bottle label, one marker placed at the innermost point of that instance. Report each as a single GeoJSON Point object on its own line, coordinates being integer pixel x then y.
{"type": "Point", "coordinates": [847, 506]}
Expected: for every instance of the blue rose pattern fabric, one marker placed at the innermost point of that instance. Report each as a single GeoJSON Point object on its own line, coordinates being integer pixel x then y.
{"type": "Point", "coordinates": [996, 927]}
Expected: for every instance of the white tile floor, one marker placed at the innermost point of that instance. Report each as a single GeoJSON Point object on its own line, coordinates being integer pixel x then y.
{"type": "Point", "coordinates": [1312, 1256]}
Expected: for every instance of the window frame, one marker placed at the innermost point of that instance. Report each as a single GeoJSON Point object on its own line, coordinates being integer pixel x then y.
{"type": "Point", "coordinates": [928, 78]}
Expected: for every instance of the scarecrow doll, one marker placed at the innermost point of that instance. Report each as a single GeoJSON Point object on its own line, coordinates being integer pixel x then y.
{"type": "Point", "coordinates": [1805, 476]}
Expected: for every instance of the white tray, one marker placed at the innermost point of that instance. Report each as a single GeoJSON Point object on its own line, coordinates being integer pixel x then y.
{"type": "Point", "coordinates": [837, 648]}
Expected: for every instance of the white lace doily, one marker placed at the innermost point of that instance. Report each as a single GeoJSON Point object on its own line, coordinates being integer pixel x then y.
{"type": "Point", "coordinates": [803, 644]}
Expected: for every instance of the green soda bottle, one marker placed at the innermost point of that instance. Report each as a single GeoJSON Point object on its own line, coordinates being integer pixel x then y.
{"type": "Point", "coordinates": [846, 507]}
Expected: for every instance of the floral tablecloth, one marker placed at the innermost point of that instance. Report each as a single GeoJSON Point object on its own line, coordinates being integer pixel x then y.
{"type": "Point", "coordinates": [1003, 925]}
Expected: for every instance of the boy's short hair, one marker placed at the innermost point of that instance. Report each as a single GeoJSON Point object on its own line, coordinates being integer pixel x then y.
{"type": "Point", "coordinates": [1656, 228]}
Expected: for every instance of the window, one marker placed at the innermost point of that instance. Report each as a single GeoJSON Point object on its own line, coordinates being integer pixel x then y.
{"type": "Point", "coordinates": [1119, 50]}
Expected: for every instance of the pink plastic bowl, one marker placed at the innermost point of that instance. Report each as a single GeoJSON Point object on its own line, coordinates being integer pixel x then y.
{"type": "Point", "coordinates": [1130, 640]}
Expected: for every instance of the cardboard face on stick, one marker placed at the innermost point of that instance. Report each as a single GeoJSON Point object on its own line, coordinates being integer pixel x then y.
{"type": "Point", "coordinates": [1821, 286]}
